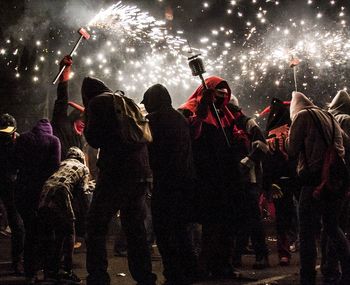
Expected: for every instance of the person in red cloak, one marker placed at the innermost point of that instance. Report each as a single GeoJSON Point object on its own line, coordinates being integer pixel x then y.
{"type": "Point", "coordinates": [217, 165]}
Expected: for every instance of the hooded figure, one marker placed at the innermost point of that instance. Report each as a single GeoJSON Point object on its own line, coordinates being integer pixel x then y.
{"type": "Point", "coordinates": [60, 192]}
{"type": "Point", "coordinates": [340, 109]}
{"type": "Point", "coordinates": [305, 139]}
{"type": "Point", "coordinates": [38, 155]}
{"type": "Point", "coordinates": [217, 167]}
{"type": "Point", "coordinates": [68, 127]}
{"type": "Point", "coordinates": [311, 134]}
{"type": "Point", "coordinates": [279, 176]}
{"type": "Point", "coordinates": [173, 174]}
{"type": "Point", "coordinates": [124, 173]}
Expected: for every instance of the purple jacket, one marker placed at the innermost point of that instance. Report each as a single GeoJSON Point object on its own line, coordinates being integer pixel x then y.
{"type": "Point", "coordinates": [38, 155]}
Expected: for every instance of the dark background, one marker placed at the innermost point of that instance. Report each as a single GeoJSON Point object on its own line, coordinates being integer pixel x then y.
{"type": "Point", "coordinates": [54, 23]}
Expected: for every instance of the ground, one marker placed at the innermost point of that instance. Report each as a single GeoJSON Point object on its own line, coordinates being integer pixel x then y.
{"type": "Point", "coordinates": [118, 268]}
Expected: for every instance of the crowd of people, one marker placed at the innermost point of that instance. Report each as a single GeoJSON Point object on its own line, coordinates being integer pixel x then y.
{"type": "Point", "coordinates": [205, 167]}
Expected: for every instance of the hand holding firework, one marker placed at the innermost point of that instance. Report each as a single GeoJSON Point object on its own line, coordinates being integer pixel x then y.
{"type": "Point", "coordinates": [67, 63]}
{"type": "Point", "coordinates": [83, 35]}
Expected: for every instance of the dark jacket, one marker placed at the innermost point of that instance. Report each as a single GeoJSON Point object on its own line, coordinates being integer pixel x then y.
{"type": "Point", "coordinates": [63, 124]}
{"type": "Point", "coordinates": [170, 152]}
{"type": "Point", "coordinates": [102, 131]}
{"type": "Point", "coordinates": [217, 165]}
{"type": "Point", "coordinates": [38, 155]}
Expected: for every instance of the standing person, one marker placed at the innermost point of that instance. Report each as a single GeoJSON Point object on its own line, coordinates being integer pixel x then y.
{"type": "Point", "coordinates": [121, 185]}
{"type": "Point", "coordinates": [67, 127]}
{"type": "Point", "coordinates": [279, 178]}
{"type": "Point", "coordinates": [38, 155]}
{"type": "Point", "coordinates": [252, 155]}
{"type": "Point", "coordinates": [340, 109]}
{"type": "Point", "coordinates": [173, 173]}
{"type": "Point", "coordinates": [8, 173]}
{"type": "Point", "coordinates": [313, 134]}
{"type": "Point", "coordinates": [57, 216]}
{"type": "Point", "coordinates": [217, 164]}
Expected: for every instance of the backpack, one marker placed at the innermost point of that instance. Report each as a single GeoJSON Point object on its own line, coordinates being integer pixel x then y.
{"type": "Point", "coordinates": [133, 126]}
{"type": "Point", "coordinates": [334, 173]}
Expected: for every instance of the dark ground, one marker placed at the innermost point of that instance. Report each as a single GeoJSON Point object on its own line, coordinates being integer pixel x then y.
{"type": "Point", "coordinates": [118, 267]}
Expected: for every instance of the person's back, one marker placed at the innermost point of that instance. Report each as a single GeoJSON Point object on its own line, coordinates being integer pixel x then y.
{"type": "Point", "coordinates": [38, 154]}
{"type": "Point", "coordinates": [173, 173]}
{"type": "Point", "coordinates": [102, 131]}
{"type": "Point", "coordinates": [121, 185]}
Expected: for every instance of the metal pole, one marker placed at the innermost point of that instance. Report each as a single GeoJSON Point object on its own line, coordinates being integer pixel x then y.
{"type": "Point", "coordinates": [71, 53]}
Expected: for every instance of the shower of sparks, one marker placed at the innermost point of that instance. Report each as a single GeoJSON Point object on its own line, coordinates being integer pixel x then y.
{"type": "Point", "coordinates": [134, 50]}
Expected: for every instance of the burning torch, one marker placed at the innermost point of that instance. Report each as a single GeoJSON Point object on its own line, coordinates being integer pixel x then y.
{"type": "Point", "coordinates": [83, 35]}
{"type": "Point", "coordinates": [293, 64]}
{"type": "Point", "coordinates": [197, 68]}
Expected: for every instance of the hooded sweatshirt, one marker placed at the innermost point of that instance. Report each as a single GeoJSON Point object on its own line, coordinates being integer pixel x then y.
{"type": "Point", "coordinates": [194, 101]}
{"type": "Point", "coordinates": [102, 131]}
{"type": "Point", "coordinates": [70, 179]}
{"type": "Point", "coordinates": [170, 152]}
{"type": "Point", "coordinates": [305, 140]}
{"type": "Point", "coordinates": [38, 155]}
{"type": "Point", "coordinates": [63, 123]}
{"type": "Point", "coordinates": [340, 109]}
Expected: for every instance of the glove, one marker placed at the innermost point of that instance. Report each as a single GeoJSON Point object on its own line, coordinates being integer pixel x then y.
{"type": "Point", "coordinates": [207, 100]}
{"type": "Point", "coordinates": [66, 61]}
{"type": "Point", "coordinates": [208, 96]}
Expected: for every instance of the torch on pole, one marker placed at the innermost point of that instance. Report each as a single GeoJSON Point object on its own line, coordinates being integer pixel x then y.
{"type": "Point", "coordinates": [83, 35]}
{"type": "Point", "coordinates": [293, 64]}
{"type": "Point", "coordinates": [197, 68]}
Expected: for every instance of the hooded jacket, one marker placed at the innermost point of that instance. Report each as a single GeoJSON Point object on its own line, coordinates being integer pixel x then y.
{"type": "Point", "coordinates": [305, 140]}
{"type": "Point", "coordinates": [102, 131]}
{"type": "Point", "coordinates": [340, 109]}
{"type": "Point", "coordinates": [70, 180]}
{"type": "Point", "coordinates": [38, 155]}
{"type": "Point", "coordinates": [219, 180]}
{"type": "Point", "coordinates": [194, 102]}
{"type": "Point", "coordinates": [63, 123]}
{"type": "Point", "coordinates": [170, 152]}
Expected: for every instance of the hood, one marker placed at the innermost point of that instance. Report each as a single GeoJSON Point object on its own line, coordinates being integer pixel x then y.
{"type": "Point", "coordinates": [76, 153]}
{"type": "Point", "coordinates": [92, 87]}
{"type": "Point", "coordinates": [278, 114]}
{"type": "Point", "coordinates": [155, 98]}
{"type": "Point", "coordinates": [340, 104]}
{"type": "Point", "coordinates": [43, 126]}
{"type": "Point", "coordinates": [212, 82]}
{"type": "Point", "coordinates": [299, 102]}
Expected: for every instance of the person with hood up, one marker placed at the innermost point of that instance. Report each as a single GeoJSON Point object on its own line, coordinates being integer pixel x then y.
{"type": "Point", "coordinates": [67, 127]}
{"type": "Point", "coordinates": [340, 109]}
{"type": "Point", "coordinates": [38, 154]}
{"type": "Point", "coordinates": [121, 185]}
{"type": "Point", "coordinates": [57, 216]}
{"type": "Point", "coordinates": [217, 165]}
{"type": "Point", "coordinates": [311, 133]}
{"type": "Point", "coordinates": [279, 178]}
{"type": "Point", "coordinates": [8, 175]}
{"type": "Point", "coordinates": [173, 173]}
{"type": "Point", "coordinates": [252, 156]}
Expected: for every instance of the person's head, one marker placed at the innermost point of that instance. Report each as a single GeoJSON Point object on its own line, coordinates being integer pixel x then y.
{"type": "Point", "coordinates": [91, 87]}
{"type": "Point", "coordinates": [8, 127]}
{"type": "Point", "coordinates": [222, 90]}
{"type": "Point", "coordinates": [156, 98]}
{"type": "Point", "coordinates": [76, 153]}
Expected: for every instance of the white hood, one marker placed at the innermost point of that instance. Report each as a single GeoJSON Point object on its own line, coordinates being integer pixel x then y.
{"type": "Point", "coordinates": [340, 104]}
{"type": "Point", "coordinates": [299, 102]}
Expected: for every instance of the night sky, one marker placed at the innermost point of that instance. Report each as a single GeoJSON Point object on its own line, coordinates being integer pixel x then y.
{"type": "Point", "coordinates": [249, 43]}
